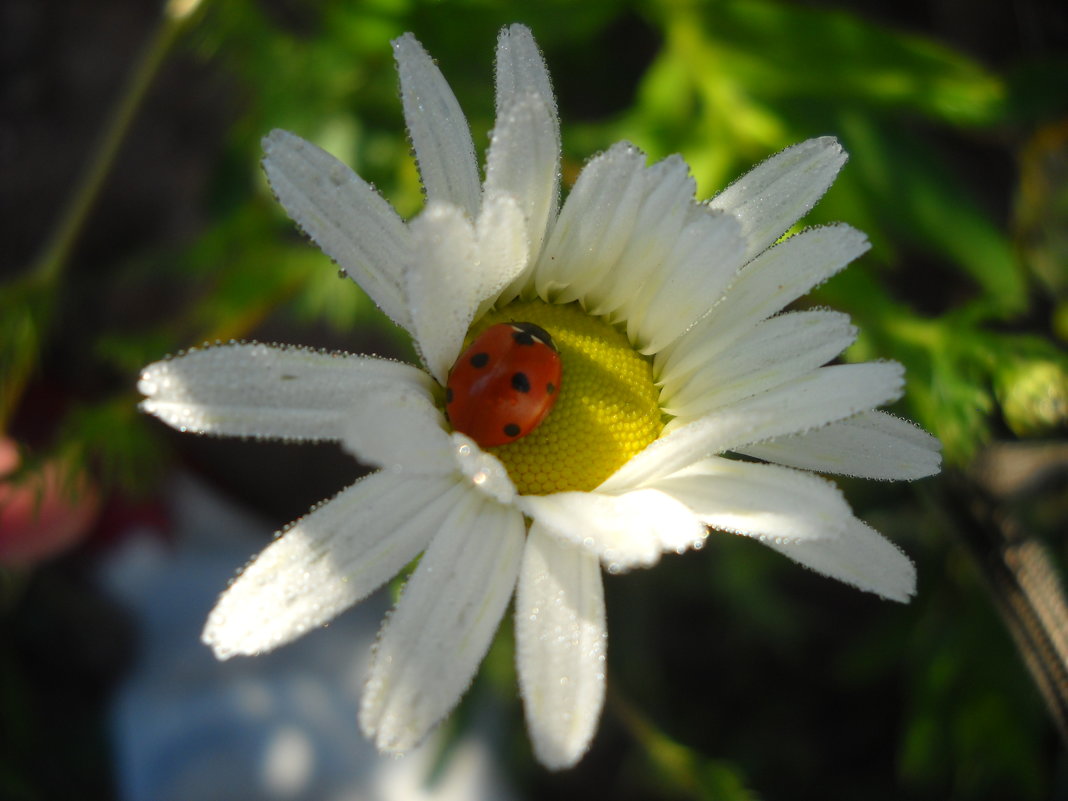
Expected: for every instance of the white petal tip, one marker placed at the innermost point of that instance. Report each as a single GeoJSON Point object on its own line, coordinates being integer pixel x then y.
{"type": "Point", "coordinates": [516, 29]}
{"type": "Point", "coordinates": [219, 650]}
{"type": "Point", "coordinates": [829, 149]}
{"type": "Point", "coordinates": [555, 759]}
{"type": "Point", "coordinates": [275, 137]}
{"type": "Point", "coordinates": [405, 40]}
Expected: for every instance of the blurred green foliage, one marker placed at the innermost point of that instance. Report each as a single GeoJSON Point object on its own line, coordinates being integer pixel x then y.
{"type": "Point", "coordinates": [958, 174]}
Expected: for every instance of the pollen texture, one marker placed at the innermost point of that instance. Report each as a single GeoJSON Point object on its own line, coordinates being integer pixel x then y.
{"type": "Point", "coordinates": [608, 409]}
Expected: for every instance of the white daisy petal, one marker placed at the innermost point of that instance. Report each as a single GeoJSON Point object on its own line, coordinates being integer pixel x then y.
{"type": "Point", "coordinates": [861, 557]}
{"type": "Point", "coordinates": [503, 247]}
{"type": "Point", "coordinates": [255, 390]}
{"type": "Point", "coordinates": [459, 267]}
{"type": "Point", "coordinates": [524, 162]}
{"type": "Point", "coordinates": [431, 646]}
{"type": "Point", "coordinates": [814, 400]}
{"type": "Point", "coordinates": [523, 156]}
{"type": "Point", "coordinates": [328, 560]}
{"type": "Point", "coordinates": [766, 285]}
{"type": "Point", "coordinates": [524, 153]}
{"type": "Point", "coordinates": [870, 445]}
{"type": "Point", "coordinates": [521, 71]}
{"type": "Point", "coordinates": [760, 500]}
{"type": "Point", "coordinates": [438, 128]}
{"type": "Point", "coordinates": [398, 428]}
{"type": "Point", "coordinates": [443, 285]}
{"type": "Point", "coordinates": [627, 530]}
{"type": "Point", "coordinates": [665, 208]}
{"type": "Point", "coordinates": [771, 197]}
{"type": "Point", "coordinates": [560, 647]}
{"type": "Point", "coordinates": [345, 217]}
{"type": "Point", "coordinates": [705, 258]}
{"type": "Point", "coordinates": [482, 469]}
{"type": "Point", "coordinates": [594, 225]}
{"type": "Point", "coordinates": [776, 351]}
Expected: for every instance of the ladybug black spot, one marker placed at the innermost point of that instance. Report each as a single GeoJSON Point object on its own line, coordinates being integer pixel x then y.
{"type": "Point", "coordinates": [448, 394]}
{"type": "Point", "coordinates": [480, 359]}
{"type": "Point", "coordinates": [511, 430]}
{"type": "Point", "coordinates": [520, 382]}
{"type": "Point", "coordinates": [531, 333]}
{"type": "Point", "coordinates": [550, 388]}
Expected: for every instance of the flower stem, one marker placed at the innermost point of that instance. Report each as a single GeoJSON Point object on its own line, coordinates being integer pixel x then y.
{"type": "Point", "coordinates": [23, 331]}
{"type": "Point", "coordinates": [670, 759]}
{"type": "Point", "coordinates": [50, 264]}
{"type": "Point", "coordinates": [686, 772]}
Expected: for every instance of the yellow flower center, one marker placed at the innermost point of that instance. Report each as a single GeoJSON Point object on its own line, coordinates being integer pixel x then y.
{"type": "Point", "coordinates": [607, 411]}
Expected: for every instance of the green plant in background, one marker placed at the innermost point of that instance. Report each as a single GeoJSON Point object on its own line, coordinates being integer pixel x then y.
{"type": "Point", "coordinates": [974, 304]}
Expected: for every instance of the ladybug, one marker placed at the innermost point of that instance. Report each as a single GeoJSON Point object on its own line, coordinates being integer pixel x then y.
{"type": "Point", "coordinates": [504, 384]}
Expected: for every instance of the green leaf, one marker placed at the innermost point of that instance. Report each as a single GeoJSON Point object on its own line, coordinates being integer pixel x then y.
{"type": "Point", "coordinates": [115, 441]}
{"type": "Point", "coordinates": [920, 201]}
{"type": "Point", "coordinates": [781, 50]}
{"type": "Point", "coordinates": [26, 307]}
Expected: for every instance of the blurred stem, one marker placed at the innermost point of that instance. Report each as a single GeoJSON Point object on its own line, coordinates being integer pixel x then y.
{"type": "Point", "coordinates": [1024, 585]}
{"type": "Point", "coordinates": [673, 762]}
{"type": "Point", "coordinates": [177, 14]}
{"type": "Point", "coordinates": [25, 334]}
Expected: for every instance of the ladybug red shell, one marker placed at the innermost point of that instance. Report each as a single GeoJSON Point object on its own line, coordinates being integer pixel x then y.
{"type": "Point", "coordinates": [504, 384]}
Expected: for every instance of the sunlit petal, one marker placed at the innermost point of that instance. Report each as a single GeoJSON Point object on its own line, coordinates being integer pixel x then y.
{"type": "Point", "coordinates": [774, 195]}
{"type": "Point", "coordinates": [776, 351]}
{"type": "Point", "coordinates": [871, 445]}
{"type": "Point", "coordinates": [628, 530]}
{"type": "Point", "coordinates": [765, 286]}
{"type": "Point", "coordinates": [523, 163]}
{"type": "Point", "coordinates": [560, 647]}
{"type": "Point", "coordinates": [666, 205]}
{"type": "Point", "coordinates": [255, 390]}
{"type": "Point", "coordinates": [438, 128]}
{"type": "Point", "coordinates": [326, 561]}
{"type": "Point", "coordinates": [861, 557]}
{"type": "Point", "coordinates": [706, 256]}
{"type": "Point", "coordinates": [594, 225]}
{"type": "Point", "coordinates": [431, 645]}
{"type": "Point", "coordinates": [816, 399]}
{"type": "Point", "coordinates": [399, 428]}
{"type": "Point", "coordinates": [345, 217]}
{"type": "Point", "coordinates": [760, 500]}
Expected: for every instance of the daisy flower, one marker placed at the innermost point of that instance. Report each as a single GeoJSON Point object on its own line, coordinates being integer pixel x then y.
{"type": "Point", "coordinates": [688, 401]}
